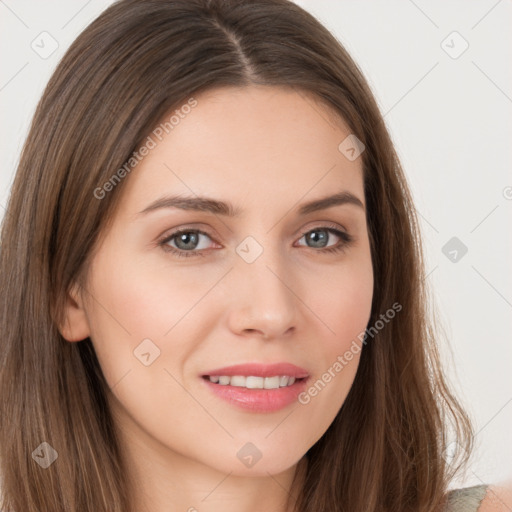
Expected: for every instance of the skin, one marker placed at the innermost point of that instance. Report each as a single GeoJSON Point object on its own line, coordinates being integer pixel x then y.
{"type": "Point", "coordinates": [498, 498]}
{"type": "Point", "coordinates": [266, 150]}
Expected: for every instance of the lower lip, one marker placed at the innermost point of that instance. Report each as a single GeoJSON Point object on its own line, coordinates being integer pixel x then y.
{"type": "Point", "coordinates": [258, 400]}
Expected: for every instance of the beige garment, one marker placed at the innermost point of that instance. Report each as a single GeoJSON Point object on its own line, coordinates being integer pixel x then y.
{"type": "Point", "coordinates": [467, 499]}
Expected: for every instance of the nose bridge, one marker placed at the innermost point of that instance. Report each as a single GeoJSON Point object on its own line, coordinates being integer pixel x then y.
{"type": "Point", "coordinates": [263, 299]}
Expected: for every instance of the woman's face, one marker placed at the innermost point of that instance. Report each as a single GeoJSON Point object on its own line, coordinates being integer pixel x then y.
{"type": "Point", "coordinates": [279, 283]}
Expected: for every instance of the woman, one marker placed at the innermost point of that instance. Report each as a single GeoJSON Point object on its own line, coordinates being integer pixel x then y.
{"type": "Point", "coordinates": [288, 363]}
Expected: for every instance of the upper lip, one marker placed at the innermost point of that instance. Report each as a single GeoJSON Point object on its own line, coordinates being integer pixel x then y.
{"type": "Point", "coordinates": [260, 370]}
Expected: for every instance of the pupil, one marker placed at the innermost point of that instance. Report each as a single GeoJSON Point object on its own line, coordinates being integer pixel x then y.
{"type": "Point", "coordinates": [186, 236]}
{"type": "Point", "coordinates": [315, 239]}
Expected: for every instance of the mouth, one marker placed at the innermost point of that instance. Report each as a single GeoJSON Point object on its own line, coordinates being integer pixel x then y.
{"type": "Point", "coordinates": [256, 387]}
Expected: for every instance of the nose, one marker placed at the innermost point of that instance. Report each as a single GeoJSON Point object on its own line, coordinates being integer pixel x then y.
{"type": "Point", "coordinates": [263, 301]}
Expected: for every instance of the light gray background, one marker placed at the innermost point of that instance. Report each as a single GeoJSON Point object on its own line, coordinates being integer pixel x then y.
{"type": "Point", "coordinates": [451, 121]}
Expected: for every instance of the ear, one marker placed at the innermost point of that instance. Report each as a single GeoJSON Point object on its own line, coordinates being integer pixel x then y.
{"type": "Point", "coordinates": [76, 324]}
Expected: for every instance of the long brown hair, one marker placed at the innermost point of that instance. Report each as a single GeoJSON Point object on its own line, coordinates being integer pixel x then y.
{"type": "Point", "coordinates": [131, 66]}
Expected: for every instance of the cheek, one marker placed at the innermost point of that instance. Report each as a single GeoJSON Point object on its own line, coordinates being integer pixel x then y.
{"type": "Point", "coordinates": [147, 300]}
{"type": "Point", "coordinates": [133, 302]}
{"type": "Point", "coordinates": [342, 300]}
{"type": "Point", "coordinates": [343, 305]}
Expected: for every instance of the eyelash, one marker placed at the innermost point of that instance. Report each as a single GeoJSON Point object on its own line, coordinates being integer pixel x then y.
{"type": "Point", "coordinates": [346, 240]}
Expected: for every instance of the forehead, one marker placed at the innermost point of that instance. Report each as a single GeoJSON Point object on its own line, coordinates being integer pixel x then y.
{"type": "Point", "coordinates": [256, 142]}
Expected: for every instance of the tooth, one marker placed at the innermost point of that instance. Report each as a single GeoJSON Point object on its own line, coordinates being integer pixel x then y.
{"type": "Point", "coordinates": [271, 382]}
{"type": "Point", "coordinates": [254, 382]}
{"type": "Point", "coordinates": [238, 380]}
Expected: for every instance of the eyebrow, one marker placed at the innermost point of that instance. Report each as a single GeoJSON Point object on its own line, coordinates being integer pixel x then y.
{"type": "Point", "coordinates": [204, 204]}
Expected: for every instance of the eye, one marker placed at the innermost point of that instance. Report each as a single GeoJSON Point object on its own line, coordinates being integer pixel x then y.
{"type": "Point", "coordinates": [187, 242]}
{"type": "Point", "coordinates": [320, 236]}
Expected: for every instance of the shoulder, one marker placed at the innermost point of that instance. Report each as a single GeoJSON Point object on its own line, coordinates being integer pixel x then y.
{"type": "Point", "coordinates": [479, 498]}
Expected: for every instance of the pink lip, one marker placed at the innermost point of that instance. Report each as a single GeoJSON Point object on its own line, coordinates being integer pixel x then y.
{"type": "Point", "coordinates": [261, 370]}
{"type": "Point", "coordinates": [259, 400]}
